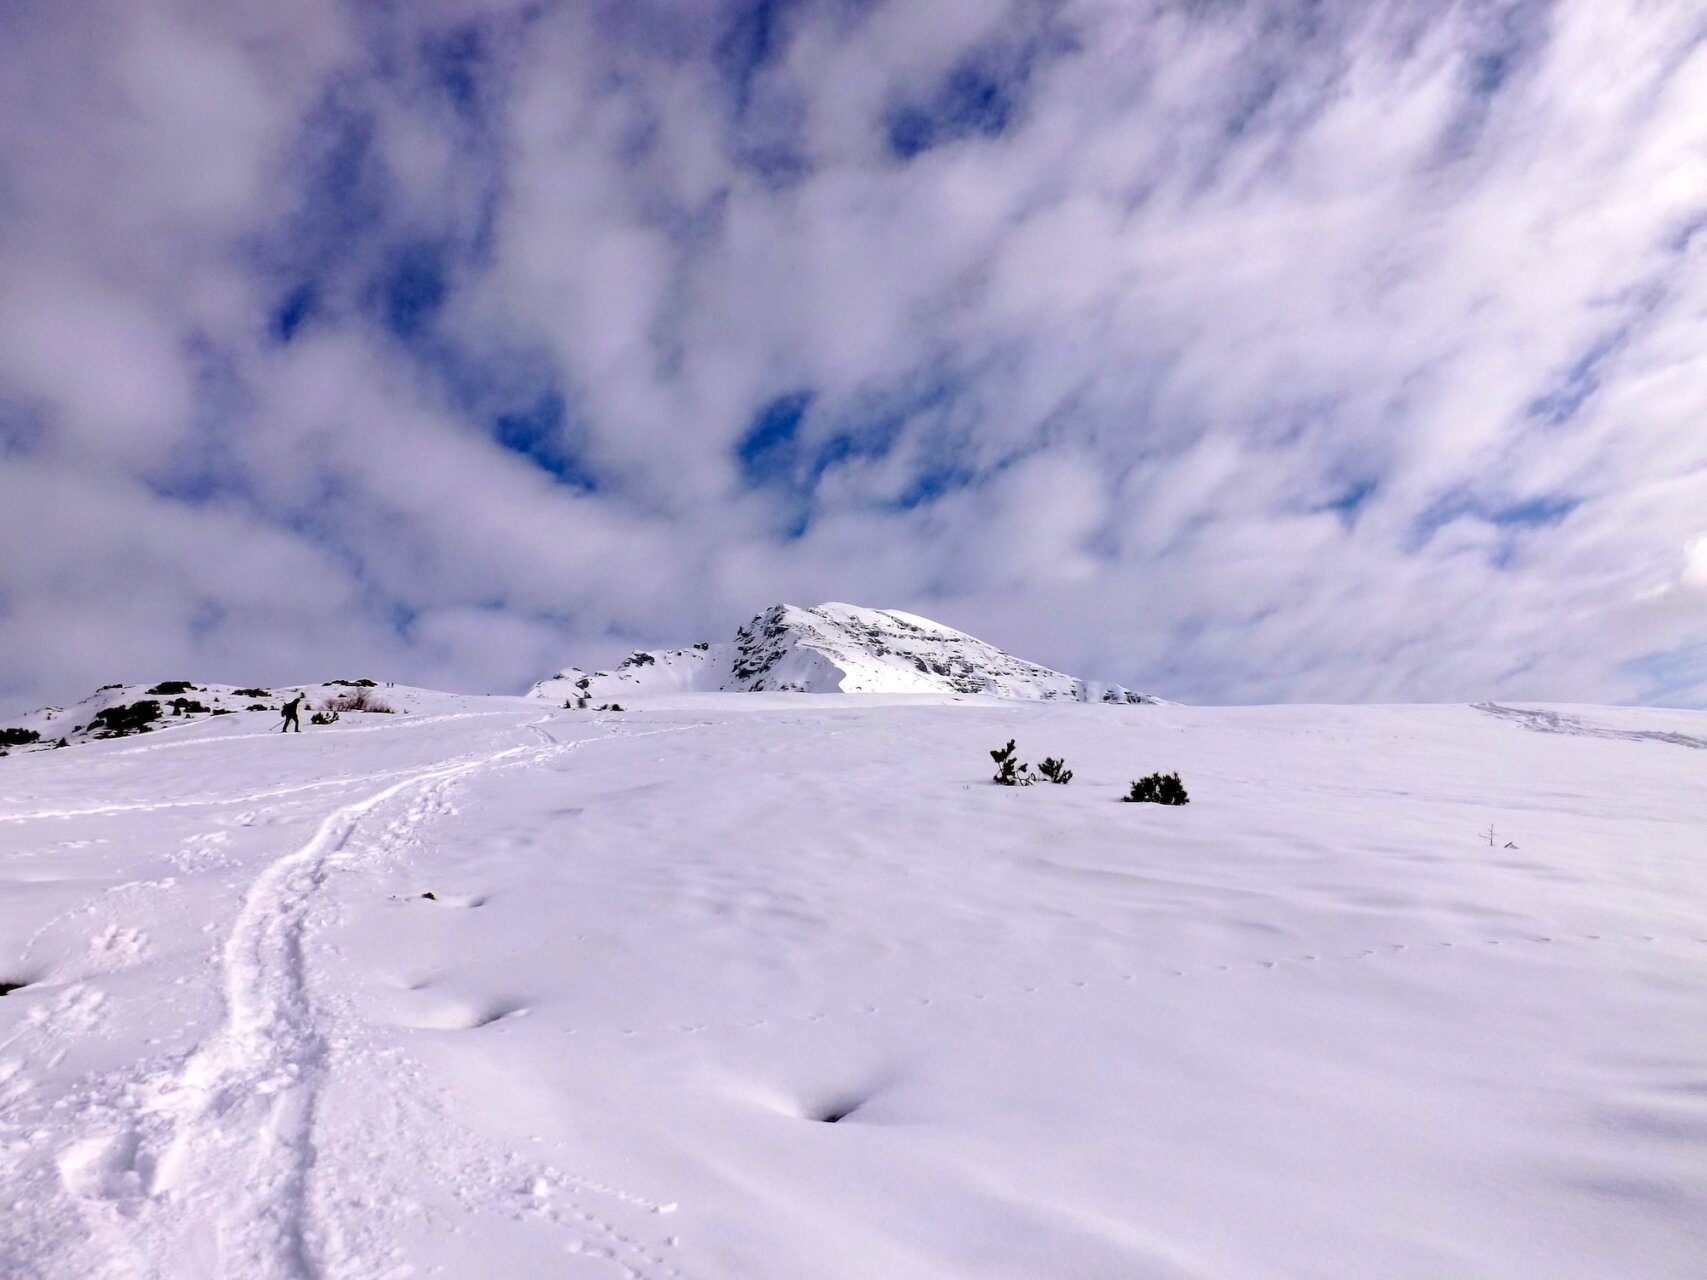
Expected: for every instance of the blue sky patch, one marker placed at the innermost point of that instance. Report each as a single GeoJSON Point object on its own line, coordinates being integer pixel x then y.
{"type": "Point", "coordinates": [1535, 513]}
{"type": "Point", "coordinates": [768, 451]}
{"type": "Point", "coordinates": [455, 60]}
{"type": "Point", "coordinates": [413, 288]}
{"type": "Point", "coordinates": [536, 432]}
{"type": "Point", "coordinates": [1351, 501]}
{"type": "Point", "coordinates": [1540, 511]}
{"type": "Point", "coordinates": [1672, 677]}
{"type": "Point", "coordinates": [297, 309]}
{"type": "Point", "coordinates": [978, 98]}
{"type": "Point", "coordinates": [754, 39]}
{"type": "Point", "coordinates": [932, 483]}
{"type": "Point", "coordinates": [21, 428]}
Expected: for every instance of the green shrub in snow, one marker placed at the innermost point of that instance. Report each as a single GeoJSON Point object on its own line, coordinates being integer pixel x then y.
{"type": "Point", "coordinates": [1158, 788]}
{"type": "Point", "coordinates": [1010, 772]}
{"type": "Point", "coordinates": [115, 722]}
{"type": "Point", "coordinates": [1055, 770]}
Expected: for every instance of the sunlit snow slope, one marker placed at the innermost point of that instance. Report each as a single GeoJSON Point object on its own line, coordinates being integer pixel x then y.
{"type": "Point", "coordinates": [1314, 1024]}
{"type": "Point", "coordinates": [832, 648]}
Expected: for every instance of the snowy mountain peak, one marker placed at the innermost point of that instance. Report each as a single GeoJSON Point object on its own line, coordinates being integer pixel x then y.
{"type": "Point", "coordinates": [832, 648]}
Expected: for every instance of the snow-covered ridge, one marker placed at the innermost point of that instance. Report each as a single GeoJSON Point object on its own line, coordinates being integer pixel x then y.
{"type": "Point", "coordinates": [832, 648]}
{"type": "Point", "coordinates": [120, 710]}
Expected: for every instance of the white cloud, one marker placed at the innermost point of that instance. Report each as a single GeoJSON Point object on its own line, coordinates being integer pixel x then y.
{"type": "Point", "coordinates": [1088, 377]}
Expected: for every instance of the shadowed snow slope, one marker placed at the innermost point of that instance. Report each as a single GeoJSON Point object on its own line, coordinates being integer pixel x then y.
{"type": "Point", "coordinates": [773, 986]}
{"type": "Point", "coordinates": [833, 648]}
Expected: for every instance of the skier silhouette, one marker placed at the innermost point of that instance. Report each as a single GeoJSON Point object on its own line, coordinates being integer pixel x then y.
{"type": "Point", "coordinates": [289, 710]}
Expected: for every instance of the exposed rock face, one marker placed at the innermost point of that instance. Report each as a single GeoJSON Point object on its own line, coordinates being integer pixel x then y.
{"type": "Point", "coordinates": [833, 648]}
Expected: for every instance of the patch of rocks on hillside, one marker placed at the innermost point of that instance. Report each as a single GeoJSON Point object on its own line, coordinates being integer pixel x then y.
{"type": "Point", "coordinates": [127, 710]}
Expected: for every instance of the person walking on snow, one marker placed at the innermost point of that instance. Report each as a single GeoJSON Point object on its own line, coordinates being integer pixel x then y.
{"type": "Point", "coordinates": [290, 711]}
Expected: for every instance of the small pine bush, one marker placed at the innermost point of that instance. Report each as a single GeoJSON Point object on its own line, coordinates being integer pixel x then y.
{"type": "Point", "coordinates": [1158, 788]}
{"type": "Point", "coordinates": [172, 686]}
{"type": "Point", "coordinates": [1055, 770]}
{"type": "Point", "coordinates": [1009, 771]}
{"type": "Point", "coordinates": [18, 737]}
{"type": "Point", "coordinates": [250, 693]}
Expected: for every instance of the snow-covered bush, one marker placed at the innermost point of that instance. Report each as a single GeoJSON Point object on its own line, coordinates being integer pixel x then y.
{"type": "Point", "coordinates": [18, 737]}
{"type": "Point", "coordinates": [360, 700]}
{"type": "Point", "coordinates": [172, 686]}
{"type": "Point", "coordinates": [1158, 788]}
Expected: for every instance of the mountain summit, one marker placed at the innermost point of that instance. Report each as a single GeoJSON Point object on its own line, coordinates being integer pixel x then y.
{"type": "Point", "coordinates": [833, 648]}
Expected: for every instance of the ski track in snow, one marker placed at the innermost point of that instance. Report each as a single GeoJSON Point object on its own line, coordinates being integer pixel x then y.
{"type": "Point", "coordinates": [271, 1045]}
{"type": "Point", "coordinates": [227, 1133]}
{"type": "Point", "coordinates": [203, 802]}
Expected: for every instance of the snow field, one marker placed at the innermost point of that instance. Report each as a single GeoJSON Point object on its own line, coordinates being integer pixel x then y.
{"type": "Point", "coordinates": [771, 985]}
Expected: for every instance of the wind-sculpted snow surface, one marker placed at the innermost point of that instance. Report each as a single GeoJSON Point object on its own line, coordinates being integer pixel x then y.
{"type": "Point", "coordinates": [1548, 720]}
{"type": "Point", "coordinates": [833, 648]}
{"type": "Point", "coordinates": [743, 987]}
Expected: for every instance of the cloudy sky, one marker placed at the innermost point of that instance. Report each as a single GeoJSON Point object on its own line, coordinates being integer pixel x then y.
{"type": "Point", "coordinates": [1235, 351]}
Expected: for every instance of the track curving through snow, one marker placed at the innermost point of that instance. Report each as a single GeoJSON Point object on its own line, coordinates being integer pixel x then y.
{"type": "Point", "coordinates": [225, 1137]}
{"type": "Point", "coordinates": [270, 1051]}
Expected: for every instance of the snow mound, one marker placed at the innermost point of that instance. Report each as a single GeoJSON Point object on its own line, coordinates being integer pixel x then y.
{"type": "Point", "coordinates": [832, 648]}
